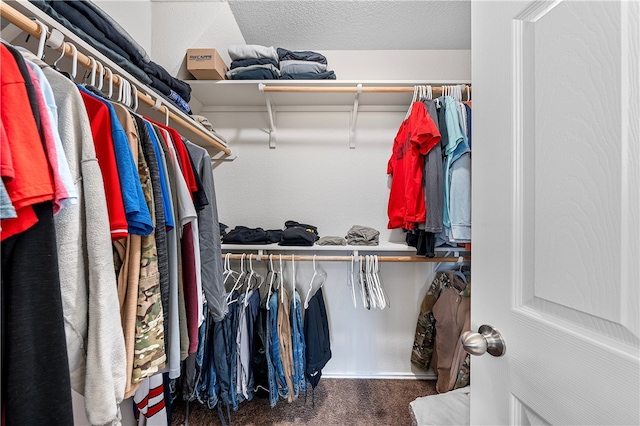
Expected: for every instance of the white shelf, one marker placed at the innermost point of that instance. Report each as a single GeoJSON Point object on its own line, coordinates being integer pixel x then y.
{"type": "Point", "coordinates": [230, 95]}
{"type": "Point", "coordinates": [383, 247]}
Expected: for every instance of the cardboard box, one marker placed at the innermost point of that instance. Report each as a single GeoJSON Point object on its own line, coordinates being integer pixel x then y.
{"type": "Point", "coordinates": [206, 64]}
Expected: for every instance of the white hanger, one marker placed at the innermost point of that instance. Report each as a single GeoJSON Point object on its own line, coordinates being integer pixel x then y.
{"type": "Point", "coordinates": [120, 90]}
{"type": "Point", "coordinates": [371, 283]}
{"type": "Point", "coordinates": [74, 61]}
{"type": "Point", "coordinates": [468, 93]}
{"type": "Point", "coordinates": [316, 273]}
{"type": "Point", "coordinates": [273, 276]}
{"type": "Point", "coordinates": [281, 284]}
{"type": "Point", "coordinates": [43, 38]}
{"type": "Point", "coordinates": [134, 105]}
{"type": "Point", "coordinates": [248, 280]}
{"type": "Point", "coordinates": [383, 297]}
{"type": "Point", "coordinates": [100, 79]}
{"type": "Point", "coordinates": [126, 94]}
{"type": "Point", "coordinates": [351, 282]}
{"type": "Point", "coordinates": [64, 48]}
{"type": "Point", "coordinates": [238, 280]}
{"type": "Point", "coordinates": [110, 77]}
{"type": "Point", "coordinates": [94, 65]}
{"type": "Point", "coordinates": [362, 284]}
{"type": "Point", "coordinates": [293, 280]}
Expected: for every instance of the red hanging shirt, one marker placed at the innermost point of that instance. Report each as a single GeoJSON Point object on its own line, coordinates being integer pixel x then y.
{"type": "Point", "coordinates": [415, 138]}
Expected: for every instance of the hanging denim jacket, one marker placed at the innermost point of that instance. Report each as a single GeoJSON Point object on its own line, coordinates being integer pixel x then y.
{"type": "Point", "coordinates": [297, 338]}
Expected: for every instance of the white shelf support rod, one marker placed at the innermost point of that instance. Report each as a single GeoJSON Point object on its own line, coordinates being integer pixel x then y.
{"type": "Point", "coordinates": [272, 118]}
{"type": "Point", "coordinates": [354, 118]}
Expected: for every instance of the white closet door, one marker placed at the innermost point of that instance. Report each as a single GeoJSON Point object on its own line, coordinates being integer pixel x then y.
{"type": "Point", "coordinates": [556, 211]}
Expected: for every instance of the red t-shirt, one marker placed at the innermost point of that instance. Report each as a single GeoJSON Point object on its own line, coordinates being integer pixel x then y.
{"type": "Point", "coordinates": [101, 130]}
{"type": "Point", "coordinates": [415, 138]}
{"type": "Point", "coordinates": [32, 181]}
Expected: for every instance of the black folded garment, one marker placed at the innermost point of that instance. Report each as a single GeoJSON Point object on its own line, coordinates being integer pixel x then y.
{"type": "Point", "coordinates": [298, 234]}
{"type": "Point", "coordinates": [300, 55]}
{"type": "Point", "coordinates": [245, 235]}
{"type": "Point", "coordinates": [252, 61]}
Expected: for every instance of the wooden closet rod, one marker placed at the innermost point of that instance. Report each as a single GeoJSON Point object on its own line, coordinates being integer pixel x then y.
{"type": "Point", "coordinates": [400, 89]}
{"type": "Point", "coordinates": [31, 27]}
{"type": "Point", "coordinates": [325, 258]}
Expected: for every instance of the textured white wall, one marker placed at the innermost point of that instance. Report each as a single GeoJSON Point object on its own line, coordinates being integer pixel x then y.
{"type": "Point", "coordinates": [178, 26]}
{"type": "Point", "coordinates": [421, 65]}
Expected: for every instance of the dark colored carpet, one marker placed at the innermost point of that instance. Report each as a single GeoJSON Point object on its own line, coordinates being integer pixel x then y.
{"type": "Point", "coordinates": [354, 402]}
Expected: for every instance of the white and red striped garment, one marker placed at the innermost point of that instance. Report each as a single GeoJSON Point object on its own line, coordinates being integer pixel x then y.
{"type": "Point", "coordinates": [149, 399]}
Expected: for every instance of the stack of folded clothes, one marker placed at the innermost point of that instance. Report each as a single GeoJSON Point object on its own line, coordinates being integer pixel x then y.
{"type": "Point", "coordinates": [253, 62]}
{"type": "Point", "coordinates": [245, 235]}
{"type": "Point", "coordinates": [362, 236]}
{"type": "Point", "coordinates": [96, 27]}
{"type": "Point", "coordinates": [303, 65]}
{"type": "Point", "coordinates": [298, 234]}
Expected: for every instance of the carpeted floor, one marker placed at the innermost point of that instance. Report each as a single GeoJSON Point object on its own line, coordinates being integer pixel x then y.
{"type": "Point", "coordinates": [354, 402]}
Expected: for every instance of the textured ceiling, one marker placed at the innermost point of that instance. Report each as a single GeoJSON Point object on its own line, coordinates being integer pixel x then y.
{"type": "Point", "coordinates": [355, 25]}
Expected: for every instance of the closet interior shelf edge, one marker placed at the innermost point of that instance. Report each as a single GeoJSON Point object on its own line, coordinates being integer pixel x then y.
{"type": "Point", "coordinates": [31, 27]}
{"type": "Point", "coordinates": [343, 258]}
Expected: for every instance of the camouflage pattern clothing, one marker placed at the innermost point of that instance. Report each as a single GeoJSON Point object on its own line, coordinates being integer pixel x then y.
{"type": "Point", "coordinates": [423, 344]}
{"type": "Point", "coordinates": [149, 350]}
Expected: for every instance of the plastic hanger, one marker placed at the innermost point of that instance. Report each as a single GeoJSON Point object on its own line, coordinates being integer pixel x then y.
{"type": "Point", "coordinates": [100, 79]}
{"type": "Point", "coordinates": [383, 297]}
{"type": "Point", "coordinates": [248, 281]}
{"type": "Point", "coordinates": [43, 38]}
{"type": "Point", "coordinates": [293, 280]}
{"type": "Point", "coordinates": [281, 277]}
{"type": "Point", "coordinates": [316, 273]}
{"type": "Point", "coordinates": [134, 98]}
{"type": "Point", "coordinates": [92, 75]}
{"type": "Point", "coordinates": [238, 281]}
{"type": "Point", "coordinates": [351, 281]}
{"type": "Point", "coordinates": [110, 77]}
{"type": "Point", "coordinates": [363, 285]}
{"type": "Point", "coordinates": [273, 277]}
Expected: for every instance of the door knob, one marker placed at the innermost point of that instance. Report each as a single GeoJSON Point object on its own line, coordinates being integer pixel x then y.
{"type": "Point", "coordinates": [487, 339]}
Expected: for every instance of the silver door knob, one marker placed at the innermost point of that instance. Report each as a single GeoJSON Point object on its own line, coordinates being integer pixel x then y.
{"type": "Point", "coordinates": [487, 339]}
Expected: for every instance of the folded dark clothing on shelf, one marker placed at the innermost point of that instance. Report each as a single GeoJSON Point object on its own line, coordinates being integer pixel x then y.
{"type": "Point", "coordinates": [298, 234]}
{"type": "Point", "coordinates": [256, 74]}
{"type": "Point", "coordinates": [331, 241]}
{"type": "Point", "coordinates": [240, 63]}
{"type": "Point", "coordinates": [245, 235]}
{"type": "Point", "coordinates": [327, 75]}
{"type": "Point", "coordinates": [362, 236]}
{"type": "Point", "coordinates": [300, 55]}
{"type": "Point", "coordinates": [223, 228]}
{"type": "Point", "coordinates": [180, 87]}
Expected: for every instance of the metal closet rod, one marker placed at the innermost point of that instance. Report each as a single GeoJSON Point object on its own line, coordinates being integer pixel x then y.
{"type": "Point", "coordinates": [371, 89]}
{"type": "Point", "coordinates": [327, 258]}
{"type": "Point", "coordinates": [31, 27]}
